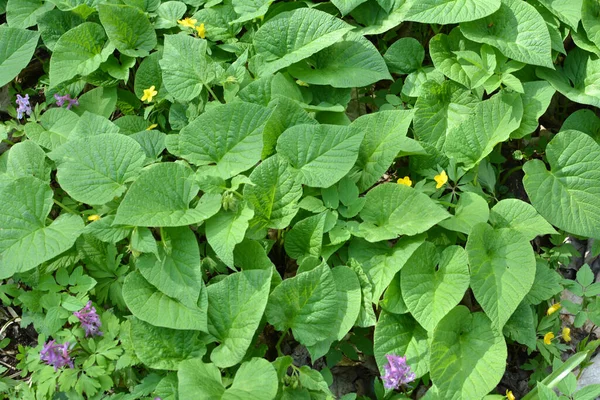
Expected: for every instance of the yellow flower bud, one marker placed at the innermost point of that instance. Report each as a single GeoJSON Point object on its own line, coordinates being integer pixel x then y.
{"type": "Point", "coordinates": [510, 395]}
{"type": "Point", "coordinates": [405, 181]}
{"type": "Point", "coordinates": [566, 334]}
{"type": "Point", "coordinates": [187, 22]}
{"type": "Point", "coordinates": [548, 338]}
{"type": "Point", "coordinates": [93, 218]}
{"type": "Point", "coordinates": [553, 308]}
{"type": "Point", "coordinates": [440, 179]}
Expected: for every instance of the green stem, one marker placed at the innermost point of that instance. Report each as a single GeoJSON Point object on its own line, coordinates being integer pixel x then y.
{"type": "Point", "coordinates": [8, 141]}
{"type": "Point", "coordinates": [61, 205]}
{"type": "Point", "coordinates": [278, 345]}
{"type": "Point", "coordinates": [212, 93]}
{"type": "Point", "coordinates": [509, 173]}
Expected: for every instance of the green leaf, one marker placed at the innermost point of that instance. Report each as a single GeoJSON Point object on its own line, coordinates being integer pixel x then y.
{"type": "Point", "coordinates": [468, 355]}
{"type": "Point", "coordinates": [306, 237]}
{"type": "Point", "coordinates": [520, 216]}
{"type": "Point", "coordinates": [27, 159]}
{"type": "Point", "coordinates": [255, 380]}
{"type": "Point", "coordinates": [491, 122]}
{"type": "Point", "coordinates": [128, 29]}
{"type": "Point", "coordinates": [589, 18]}
{"type": "Point", "coordinates": [90, 125]}
{"type": "Point", "coordinates": [366, 316]}
{"type": "Point", "coordinates": [184, 66]}
{"type": "Point", "coordinates": [517, 30]}
{"type": "Point", "coordinates": [295, 35]}
{"type": "Point", "coordinates": [101, 101]}
{"type": "Point", "coordinates": [149, 304]}
{"type": "Point", "coordinates": [381, 144]}
{"type": "Point", "coordinates": [80, 51]}
{"type": "Point", "coordinates": [250, 9]}
{"type": "Point", "coordinates": [322, 154]}
{"type": "Point", "coordinates": [577, 79]}
{"type": "Point", "coordinates": [585, 121]}
{"type": "Point", "coordinates": [226, 229]}
{"type": "Point", "coordinates": [502, 270]}
{"type": "Point", "coordinates": [161, 196]}
{"type": "Point", "coordinates": [16, 49]}
{"type": "Point", "coordinates": [25, 240]}
{"type": "Point", "coordinates": [345, 6]}
{"type": "Point", "coordinates": [401, 335]}
{"type": "Point", "coordinates": [547, 283]}
{"type": "Point", "coordinates": [568, 11]}
{"type": "Point", "coordinates": [450, 11]}
{"type": "Point", "coordinates": [176, 272]}
{"type": "Point", "coordinates": [404, 56]}
{"type": "Point", "coordinates": [230, 136]}
{"type": "Point", "coordinates": [274, 195]}
{"type": "Point", "coordinates": [521, 326]}
{"type": "Point", "coordinates": [168, 14]}
{"type": "Point", "coordinates": [439, 109]}
{"type": "Point", "coordinates": [306, 303]}
{"type": "Point", "coordinates": [567, 196]}
{"type": "Point", "coordinates": [163, 348]}
{"type": "Point", "coordinates": [23, 13]}
{"type": "Point", "coordinates": [147, 75]}
{"type": "Point", "coordinates": [351, 62]}
{"type": "Point", "coordinates": [103, 230]}
{"type": "Point", "coordinates": [94, 170]}
{"type": "Point", "coordinates": [471, 209]}
{"type": "Point", "coordinates": [433, 283]}
{"type": "Point", "coordinates": [536, 100]}
{"type": "Point", "coordinates": [379, 20]}
{"type": "Point", "coordinates": [235, 308]}
{"type": "Point", "coordinates": [392, 210]}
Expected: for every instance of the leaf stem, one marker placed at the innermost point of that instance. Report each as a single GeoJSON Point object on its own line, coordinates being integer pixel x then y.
{"type": "Point", "coordinates": [67, 209]}
{"type": "Point", "coordinates": [212, 93]}
{"type": "Point", "coordinates": [278, 345]}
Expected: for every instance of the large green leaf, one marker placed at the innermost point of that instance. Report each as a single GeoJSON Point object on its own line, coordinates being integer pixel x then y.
{"type": "Point", "coordinates": [16, 48]}
{"type": "Point", "coordinates": [161, 196]}
{"type": "Point", "coordinates": [589, 18]}
{"type": "Point", "coordinates": [470, 210]}
{"type": "Point", "coordinates": [450, 11]}
{"type": "Point", "coordinates": [536, 100]}
{"type": "Point", "coordinates": [502, 270]}
{"type": "Point", "coordinates": [491, 122]}
{"type": "Point", "coordinates": [468, 355]}
{"type": "Point", "coordinates": [94, 170]}
{"type": "Point", "coordinates": [322, 154]}
{"type": "Point", "coordinates": [226, 229]}
{"type": "Point", "coordinates": [403, 336]}
{"type": "Point", "coordinates": [80, 51]}
{"type": "Point", "coordinates": [351, 62]}
{"type": "Point", "coordinates": [569, 11]}
{"type": "Point", "coordinates": [568, 195]}
{"type": "Point", "coordinates": [578, 79]}
{"type": "Point", "coordinates": [256, 379]}
{"type": "Point", "coordinates": [392, 210]}
{"type": "Point", "coordinates": [176, 272]}
{"type": "Point", "coordinates": [24, 13]}
{"type": "Point", "coordinates": [25, 239]}
{"type": "Point", "coordinates": [520, 216]}
{"type": "Point", "coordinates": [585, 121]}
{"type": "Point", "coordinates": [230, 136]}
{"type": "Point", "coordinates": [128, 29]}
{"type": "Point", "coordinates": [295, 35]}
{"type": "Point", "coordinates": [149, 304]}
{"type": "Point", "coordinates": [306, 303]}
{"type": "Point", "coordinates": [54, 129]}
{"type": "Point", "coordinates": [274, 195]}
{"type": "Point", "coordinates": [235, 307]}
{"type": "Point", "coordinates": [164, 348]}
{"type": "Point", "coordinates": [433, 283]}
{"type": "Point", "coordinates": [517, 30]}
{"type": "Point", "coordinates": [27, 159]}
{"type": "Point", "coordinates": [381, 144]}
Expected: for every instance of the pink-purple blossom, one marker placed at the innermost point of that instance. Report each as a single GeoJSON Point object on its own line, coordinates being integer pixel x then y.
{"type": "Point", "coordinates": [90, 321]}
{"type": "Point", "coordinates": [397, 372]}
{"type": "Point", "coordinates": [61, 100]}
{"type": "Point", "coordinates": [23, 106]}
{"type": "Point", "coordinates": [56, 354]}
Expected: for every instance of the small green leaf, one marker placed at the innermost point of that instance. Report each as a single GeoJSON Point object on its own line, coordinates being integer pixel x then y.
{"type": "Point", "coordinates": [450, 11]}
{"type": "Point", "coordinates": [404, 56]}
{"type": "Point", "coordinates": [471, 209]}
{"type": "Point", "coordinates": [520, 216]}
{"type": "Point", "coordinates": [547, 283]}
{"type": "Point", "coordinates": [16, 49]}
{"type": "Point", "coordinates": [306, 237]}
{"type": "Point", "coordinates": [128, 29]}
{"type": "Point", "coordinates": [536, 100]}
{"type": "Point", "coordinates": [226, 229]}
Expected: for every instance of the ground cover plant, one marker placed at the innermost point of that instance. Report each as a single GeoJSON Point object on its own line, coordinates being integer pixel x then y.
{"type": "Point", "coordinates": [248, 199]}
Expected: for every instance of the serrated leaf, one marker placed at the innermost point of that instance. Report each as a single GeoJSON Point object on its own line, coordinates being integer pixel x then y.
{"type": "Point", "coordinates": [16, 49]}
{"type": "Point", "coordinates": [567, 196]}
{"type": "Point", "coordinates": [235, 308]}
{"type": "Point", "coordinates": [322, 154]}
{"type": "Point", "coordinates": [517, 30]}
{"type": "Point", "coordinates": [471, 209]}
{"type": "Point", "coordinates": [25, 240]}
{"type": "Point", "coordinates": [392, 210]}
{"type": "Point", "coordinates": [492, 122]}
{"type": "Point", "coordinates": [536, 99]}
{"type": "Point", "coordinates": [502, 270]}
{"type": "Point", "coordinates": [434, 283]}
{"type": "Point", "coordinates": [295, 35]}
{"type": "Point", "coordinates": [450, 11]}
{"type": "Point", "coordinates": [404, 56]}
{"type": "Point", "coordinates": [128, 29]}
{"type": "Point", "coordinates": [520, 216]}
{"type": "Point", "coordinates": [161, 196]}
{"type": "Point", "coordinates": [468, 355]}
{"type": "Point", "coordinates": [226, 229]}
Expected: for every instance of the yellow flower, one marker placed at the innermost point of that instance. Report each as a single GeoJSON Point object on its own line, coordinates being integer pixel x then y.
{"type": "Point", "coordinates": [510, 395]}
{"type": "Point", "coordinates": [201, 31]}
{"type": "Point", "coordinates": [554, 308]}
{"type": "Point", "coordinates": [405, 181]}
{"type": "Point", "coordinates": [566, 334]}
{"type": "Point", "coordinates": [151, 127]}
{"type": "Point", "coordinates": [187, 22]}
{"type": "Point", "coordinates": [548, 338]}
{"type": "Point", "coordinates": [441, 179]}
{"type": "Point", "coordinates": [149, 94]}
{"type": "Point", "coordinates": [93, 218]}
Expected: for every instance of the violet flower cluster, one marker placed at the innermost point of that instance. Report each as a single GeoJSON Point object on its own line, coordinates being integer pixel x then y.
{"type": "Point", "coordinates": [90, 321]}
{"type": "Point", "coordinates": [61, 100]}
{"type": "Point", "coordinates": [56, 354]}
{"type": "Point", "coordinates": [397, 372]}
{"type": "Point", "coordinates": [23, 106]}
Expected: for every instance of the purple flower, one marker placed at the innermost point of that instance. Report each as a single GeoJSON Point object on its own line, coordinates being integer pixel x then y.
{"type": "Point", "coordinates": [60, 100]}
{"type": "Point", "coordinates": [397, 372]}
{"type": "Point", "coordinates": [56, 354]}
{"type": "Point", "coordinates": [90, 321]}
{"type": "Point", "coordinates": [24, 106]}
